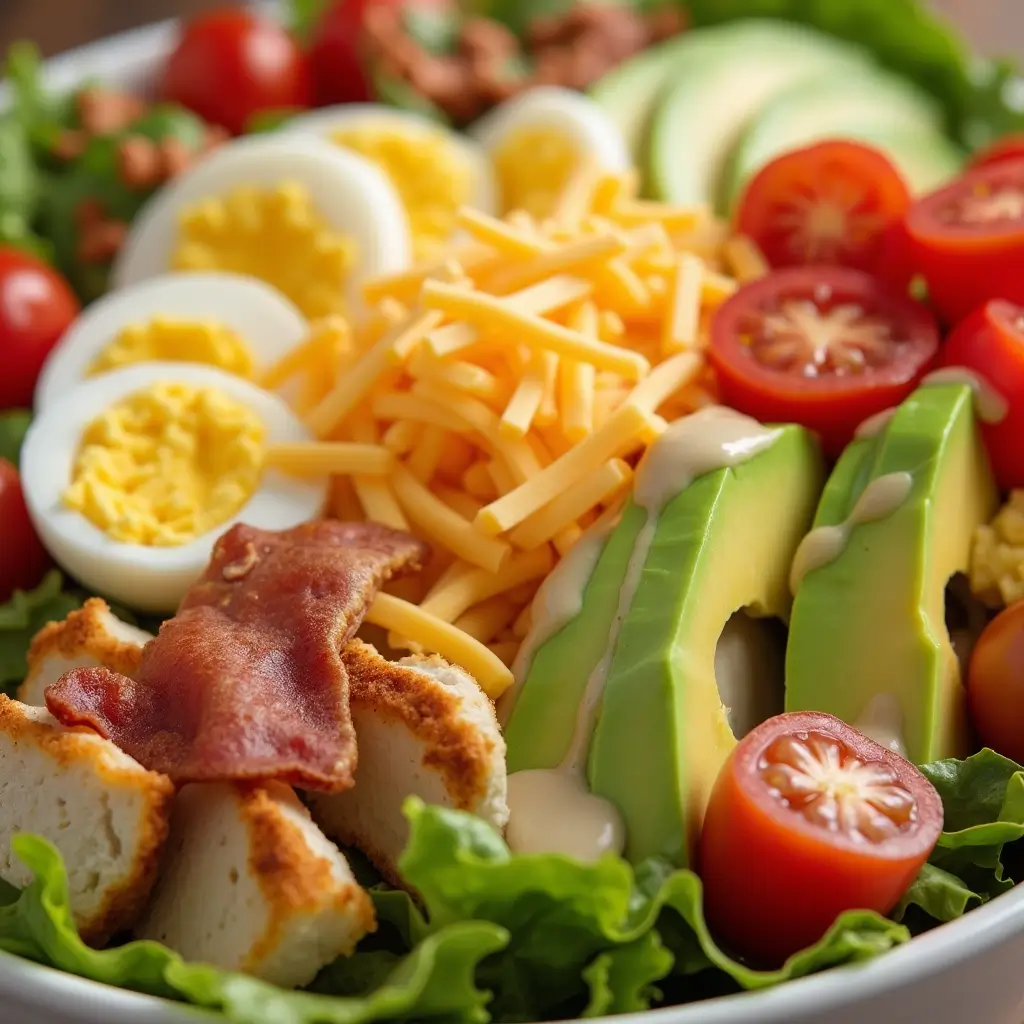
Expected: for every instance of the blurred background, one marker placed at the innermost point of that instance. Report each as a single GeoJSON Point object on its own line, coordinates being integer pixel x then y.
{"type": "Point", "coordinates": [994, 26]}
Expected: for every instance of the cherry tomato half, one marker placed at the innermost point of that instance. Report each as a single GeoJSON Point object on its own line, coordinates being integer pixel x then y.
{"type": "Point", "coordinates": [36, 307]}
{"type": "Point", "coordinates": [231, 64]}
{"type": "Point", "coordinates": [968, 239]}
{"type": "Point", "coordinates": [1009, 147]}
{"type": "Point", "coordinates": [829, 203]}
{"type": "Point", "coordinates": [990, 342]}
{"type": "Point", "coordinates": [995, 683]}
{"type": "Point", "coordinates": [825, 347]}
{"type": "Point", "coordinates": [23, 559]}
{"type": "Point", "coordinates": [810, 818]}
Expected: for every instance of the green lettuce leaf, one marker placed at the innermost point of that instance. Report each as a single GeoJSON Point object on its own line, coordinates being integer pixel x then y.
{"type": "Point", "coordinates": [22, 617]}
{"type": "Point", "coordinates": [14, 426]}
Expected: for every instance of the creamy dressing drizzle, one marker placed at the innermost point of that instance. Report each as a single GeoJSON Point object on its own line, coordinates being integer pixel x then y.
{"type": "Point", "coordinates": [882, 721]}
{"type": "Point", "coordinates": [989, 404]}
{"type": "Point", "coordinates": [552, 809]}
{"type": "Point", "coordinates": [874, 425]}
{"type": "Point", "coordinates": [822, 545]}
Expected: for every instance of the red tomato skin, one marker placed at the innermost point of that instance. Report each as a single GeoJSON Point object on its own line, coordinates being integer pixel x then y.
{"type": "Point", "coordinates": [987, 343]}
{"type": "Point", "coordinates": [770, 890]}
{"type": "Point", "coordinates": [36, 307]}
{"type": "Point", "coordinates": [995, 683]}
{"type": "Point", "coordinates": [834, 413]}
{"type": "Point", "coordinates": [1009, 147]}
{"type": "Point", "coordinates": [800, 173]}
{"type": "Point", "coordinates": [23, 559]}
{"type": "Point", "coordinates": [965, 269]}
{"type": "Point", "coordinates": [231, 63]}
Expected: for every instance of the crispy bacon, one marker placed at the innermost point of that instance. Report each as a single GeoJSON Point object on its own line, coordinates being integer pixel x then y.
{"type": "Point", "coordinates": [246, 681]}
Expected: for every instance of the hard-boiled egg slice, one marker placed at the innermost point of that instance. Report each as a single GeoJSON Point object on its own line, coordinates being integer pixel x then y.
{"type": "Point", "coordinates": [307, 217]}
{"type": "Point", "coordinates": [228, 321]}
{"type": "Point", "coordinates": [538, 139]}
{"type": "Point", "coordinates": [433, 169]}
{"type": "Point", "coordinates": [132, 476]}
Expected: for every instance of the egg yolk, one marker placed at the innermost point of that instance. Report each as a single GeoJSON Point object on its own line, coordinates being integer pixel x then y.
{"type": "Point", "coordinates": [533, 166]}
{"type": "Point", "coordinates": [182, 341]}
{"type": "Point", "coordinates": [167, 464]}
{"type": "Point", "coordinates": [432, 178]}
{"type": "Point", "coordinates": [275, 234]}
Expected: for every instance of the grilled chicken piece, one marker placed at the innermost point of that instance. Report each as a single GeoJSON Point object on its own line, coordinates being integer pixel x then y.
{"type": "Point", "coordinates": [104, 812]}
{"type": "Point", "coordinates": [424, 728]}
{"type": "Point", "coordinates": [250, 884]}
{"type": "Point", "coordinates": [92, 637]}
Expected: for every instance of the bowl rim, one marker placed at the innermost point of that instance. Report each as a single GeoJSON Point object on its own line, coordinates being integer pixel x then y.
{"type": "Point", "coordinates": [49, 989]}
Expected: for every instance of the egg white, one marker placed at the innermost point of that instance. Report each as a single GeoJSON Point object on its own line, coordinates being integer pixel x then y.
{"type": "Point", "coordinates": [350, 193]}
{"type": "Point", "coordinates": [149, 579]}
{"type": "Point", "coordinates": [563, 111]}
{"type": "Point", "coordinates": [327, 120]}
{"type": "Point", "coordinates": [268, 322]}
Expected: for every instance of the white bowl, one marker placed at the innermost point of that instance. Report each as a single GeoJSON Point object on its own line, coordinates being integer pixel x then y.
{"type": "Point", "coordinates": [968, 970]}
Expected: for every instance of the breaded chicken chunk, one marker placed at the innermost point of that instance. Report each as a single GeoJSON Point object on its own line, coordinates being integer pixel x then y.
{"type": "Point", "coordinates": [106, 814]}
{"type": "Point", "coordinates": [423, 728]}
{"type": "Point", "coordinates": [250, 884]}
{"type": "Point", "coordinates": [88, 638]}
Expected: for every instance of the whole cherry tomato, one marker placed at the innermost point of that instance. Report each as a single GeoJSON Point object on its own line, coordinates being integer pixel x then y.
{"type": "Point", "coordinates": [232, 63]}
{"type": "Point", "coordinates": [995, 683]}
{"type": "Point", "coordinates": [809, 818]}
{"type": "Point", "coordinates": [825, 347]}
{"type": "Point", "coordinates": [23, 559]}
{"type": "Point", "coordinates": [36, 307]}
{"type": "Point", "coordinates": [968, 239]}
{"type": "Point", "coordinates": [1009, 147]}
{"type": "Point", "coordinates": [830, 203]}
{"type": "Point", "coordinates": [990, 343]}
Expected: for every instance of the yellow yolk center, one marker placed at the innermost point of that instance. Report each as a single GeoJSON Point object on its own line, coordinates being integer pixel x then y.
{"type": "Point", "coordinates": [430, 175]}
{"type": "Point", "coordinates": [183, 341]}
{"type": "Point", "coordinates": [275, 234]}
{"type": "Point", "coordinates": [167, 464]}
{"type": "Point", "coordinates": [533, 166]}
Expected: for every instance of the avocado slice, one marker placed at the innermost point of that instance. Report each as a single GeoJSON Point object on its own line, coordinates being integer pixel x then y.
{"type": "Point", "coordinates": [868, 641]}
{"type": "Point", "coordinates": [874, 106]}
{"type": "Point", "coordinates": [713, 96]}
{"type": "Point", "coordinates": [662, 732]}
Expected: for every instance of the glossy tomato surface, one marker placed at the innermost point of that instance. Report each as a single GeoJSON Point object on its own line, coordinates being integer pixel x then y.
{"type": "Point", "coordinates": [825, 347]}
{"type": "Point", "coordinates": [968, 239]}
{"type": "Point", "coordinates": [233, 63]}
{"type": "Point", "coordinates": [1009, 147]}
{"type": "Point", "coordinates": [831, 203]}
{"type": "Point", "coordinates": [36, 307]}
{"type": "Point", "coordinates": [990, 342]}
{"type": "Point", "coordinates": [809, 818]}
{"type": "Point", "coordinates": [995, 683]}
{"type": "Point", "coordinates": [23, 559]}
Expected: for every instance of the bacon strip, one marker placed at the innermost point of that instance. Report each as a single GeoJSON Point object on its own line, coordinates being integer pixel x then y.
{"type": "Point", "coordinates": [246, 681]}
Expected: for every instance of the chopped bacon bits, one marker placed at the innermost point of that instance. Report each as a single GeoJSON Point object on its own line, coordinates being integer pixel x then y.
{"type": "Point", "coordinates": [246, 681]}
{"type": "Point", "coordinates": [138, 162]}
{"type": "Point", "coordinates": [105, 111]}
{"type": "Point", "coordinates": [100, 242]}
{"type": "Point", "coordinates": [69, 144]}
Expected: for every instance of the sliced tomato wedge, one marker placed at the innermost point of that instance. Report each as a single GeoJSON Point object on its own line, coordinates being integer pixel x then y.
{"type": "Point", "coordinates": [825, 347]}
{"type": "Point", "coordinates": [990, 343]}
{"type": "Point", "coordinates": [830, 203]}
{"type": "Point", "coordinates": [968, 239]}
{"type": "Point", "coordinates": [809, 818]}
{"type": "Point", "coordinates": [1009, 147]}
{"type": "Point", "coordinates": [995, 683]}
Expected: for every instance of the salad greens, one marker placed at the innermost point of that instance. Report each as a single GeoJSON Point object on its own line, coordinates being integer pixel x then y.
{"type": "Point", "coordinates": [528, 937]}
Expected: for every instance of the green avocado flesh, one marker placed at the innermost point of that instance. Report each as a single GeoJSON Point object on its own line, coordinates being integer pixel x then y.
{"type": "Point", "coordinates": [872, 106]}
{"type": "Point", "coordinates": [713, 97]}
{"type": "Point", "coordinates": [870, 623]}
{"type": "Point", "coordinates": [723, 544]}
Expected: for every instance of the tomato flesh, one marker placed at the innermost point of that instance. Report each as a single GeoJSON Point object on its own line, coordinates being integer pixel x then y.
{"type": "Point", "coordinates": [23, 559]}
{"type": "Point", "coordinates": [995, 683]}
{"type": "Point", "coordinates": [36, 307]}
{"type": "Point", "coordinates": [967, 239]}
{"type": "Point", "coordinates": [231, 64]}
{"type": "Point", "coordinates": [825, 347]}
{"type": "Point", "coordinates": [831, 203]}
{"type": "Point", "coordinates": [990, 343]}
{"type": "Point", "coordinates": [809, 818]}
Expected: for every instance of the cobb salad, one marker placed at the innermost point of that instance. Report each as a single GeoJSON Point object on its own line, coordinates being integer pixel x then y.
{"type": "Point", "coordinates": [514, 512]}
